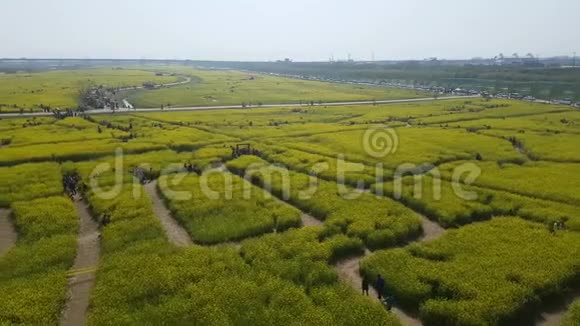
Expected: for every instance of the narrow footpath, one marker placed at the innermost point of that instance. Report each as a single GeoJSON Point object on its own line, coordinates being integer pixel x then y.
{"type": "Point", "coordinates": [8, 234]}
{"type": "Point", "coordinates": [552, 314]}
{"type": "Point", "coordinates": [175, 232]}
{"type": "Point", "coordinates": [349, 271]}
{"type": "Point", "coordinates": [308, 220]}
{"type": "Point", "coordinates": [83, 272]}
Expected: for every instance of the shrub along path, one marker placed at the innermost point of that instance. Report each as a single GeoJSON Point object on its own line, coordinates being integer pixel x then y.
{"type": "Point", "coordinates": [349, 270]}
{"type": "Point", "coordinates": [8, 235]}
{"type": "Point", "coordinates": [175, 232]}
{"type": "Point", "coordinates": [84, 268]}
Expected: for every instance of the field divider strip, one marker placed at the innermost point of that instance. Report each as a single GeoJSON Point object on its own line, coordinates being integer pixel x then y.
{"type": "Point", "coordinates": [575, 202]}
{"type": "Point", "coordinates": [495, 117]}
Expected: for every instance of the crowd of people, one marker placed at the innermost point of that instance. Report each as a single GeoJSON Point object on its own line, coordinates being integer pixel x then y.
{"type": "Point", "coordinates": [144, 176]}
{"type": "Point", "coordinates": [557, 226]}
{"type": "Point", "coordinates": [72, 184]}
{"type": "Point", "coordinates": [189, 167]}
{"type": "Point", "coordinates": [240, 151]}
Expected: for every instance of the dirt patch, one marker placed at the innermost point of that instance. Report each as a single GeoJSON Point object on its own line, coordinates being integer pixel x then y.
{"type": "Point", "coordinates": [553, 313]}
{"type": "Point", "coordinates": [431, 230]}
{"type": "Point", "coordinates": [8, 234]}
{"type": "Point", "coordinates": [308, 220]}
{"type": "Point", "coordinates": [175, 232]}
{"type": "Point", "coordinates": [84, 268]}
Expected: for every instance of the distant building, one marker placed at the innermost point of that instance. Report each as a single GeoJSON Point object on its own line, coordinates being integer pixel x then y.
{"type": "Point", "coordinates": [562, 102]}
{"type": "Point", "coordinates": [528, 61]}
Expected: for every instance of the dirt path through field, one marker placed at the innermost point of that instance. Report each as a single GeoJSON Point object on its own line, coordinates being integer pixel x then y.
{"type": "Point", "coordinates": [85, 264]}
{"type": "Point", "coordinates": [175, 232]}
{"type": "Point", "coordinates": [431, 230]}
{"type": "Point", "coordinates": [8, 234]}
{"type": "Point", "coordinates": [349, 270]}
{"type": "Point", "coordinates": [552, 314]}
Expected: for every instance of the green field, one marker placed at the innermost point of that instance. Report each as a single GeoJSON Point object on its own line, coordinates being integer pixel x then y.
{"type": "Point", "coordinates": [61, 88]}
{"type": "Point", "coordinates": [233, 87]}
{"type": "Point", "coordinates": [468, 277]}
{"type": "Point", "coordinates": [271, 230]}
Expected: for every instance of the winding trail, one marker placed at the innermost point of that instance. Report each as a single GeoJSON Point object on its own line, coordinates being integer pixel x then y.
{"type": "Point", "coordinates": [175, 232]}
{"type": "Point", "coordinates": [8, 235]}
{"type": "Point", "coordinates": [86, 261]}
{"type": "Point", "coordinates": [553, 313]}
{"type": "Point", "coordinates": [349, 270]}
{"type": "Point", "coordinates": [431, 230]}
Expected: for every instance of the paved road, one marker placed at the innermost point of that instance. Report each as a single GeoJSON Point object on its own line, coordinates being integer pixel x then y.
{"type": "Point", "coordinates": [237, 107]}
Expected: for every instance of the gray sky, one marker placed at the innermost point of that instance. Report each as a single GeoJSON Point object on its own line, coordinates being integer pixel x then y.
{"type": "Point", "coordinates": [299, 29]}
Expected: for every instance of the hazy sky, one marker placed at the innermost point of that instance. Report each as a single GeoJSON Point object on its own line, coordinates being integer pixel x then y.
{"type": "Point", "coordinates": [299, 29]}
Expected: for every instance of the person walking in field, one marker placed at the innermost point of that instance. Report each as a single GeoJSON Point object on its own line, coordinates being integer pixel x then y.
{"type": "Point", "coordinates": [380, 286]}
{"type": "Point", "coordinates": [554, 228]}
{"type": "Point", "coordinates": [105, 220]}
{"type": "Point", "coordinates": [365, 286]}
